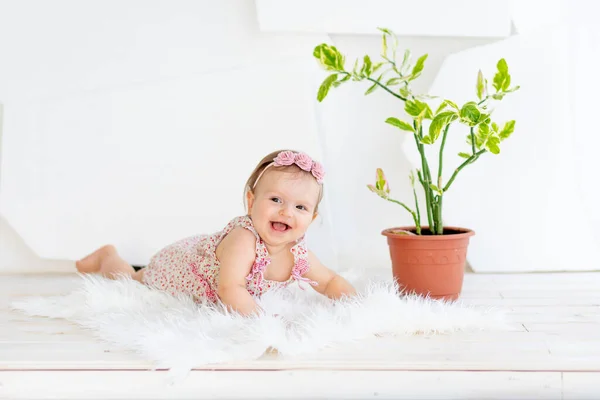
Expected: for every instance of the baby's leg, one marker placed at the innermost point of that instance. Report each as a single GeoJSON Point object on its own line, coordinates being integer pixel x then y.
{"type": "Point", "coordinates": [107, 261]}
{"type": "Point", "coordinates": [91, 263]}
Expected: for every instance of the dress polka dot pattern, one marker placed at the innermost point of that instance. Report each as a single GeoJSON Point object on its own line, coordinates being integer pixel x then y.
{"type": "Point", "coordinates": [190, 266]}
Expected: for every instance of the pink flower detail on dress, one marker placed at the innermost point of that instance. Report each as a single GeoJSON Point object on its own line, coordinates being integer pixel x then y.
{"type": "Point", "coordinates": [209, 293]}
{"type": "Point", "coordinates": [195, 269]}
{"type": "Point", "coordinates": [304, 161]}
{"type": "Point", "coordinates": [285, 158]}
{"type": "Point", "coordinates": [259, 268]}
{"type": "Point", "coordinates": [300, 268]}
{"type": "Point", "coordinates": [318, 171]}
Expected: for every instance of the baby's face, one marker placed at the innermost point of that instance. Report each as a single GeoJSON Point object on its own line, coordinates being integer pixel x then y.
{"type": "Point", "coordinates": [283, 205]}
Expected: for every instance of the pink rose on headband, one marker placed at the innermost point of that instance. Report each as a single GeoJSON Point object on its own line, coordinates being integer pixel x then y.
{"type": "Point", "coordinates": [318, 171]}
{"type": "Point", "coordinates": [285, 158]}
{"type": "Point", "coordinates": [304, 161]}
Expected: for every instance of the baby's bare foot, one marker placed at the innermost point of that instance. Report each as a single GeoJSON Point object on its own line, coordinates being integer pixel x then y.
{"type": "Point", "coordinates": [92, 262]}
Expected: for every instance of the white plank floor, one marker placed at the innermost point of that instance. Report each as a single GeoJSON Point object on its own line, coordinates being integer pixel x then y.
{"type": "Point", "coordinates": [551, 352]}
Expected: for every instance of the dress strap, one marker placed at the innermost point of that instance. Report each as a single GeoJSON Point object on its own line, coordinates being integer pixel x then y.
{"type": "Point", "coordinates": [301, 264]}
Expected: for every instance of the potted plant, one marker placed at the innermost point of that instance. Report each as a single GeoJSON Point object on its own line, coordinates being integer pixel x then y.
{"type": "Point", "coordinates": [426, 259]}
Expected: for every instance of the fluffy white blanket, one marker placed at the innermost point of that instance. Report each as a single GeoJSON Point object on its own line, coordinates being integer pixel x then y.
{"type": "Point", "coordinates": [176, 333]}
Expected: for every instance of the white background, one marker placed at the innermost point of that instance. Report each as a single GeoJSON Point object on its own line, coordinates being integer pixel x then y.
{"type": "Point", "coordinates": [121, 120]}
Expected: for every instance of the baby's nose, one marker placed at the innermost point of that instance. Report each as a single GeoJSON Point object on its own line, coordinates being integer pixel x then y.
{"type": "Point", "coordinates": [285, 211]}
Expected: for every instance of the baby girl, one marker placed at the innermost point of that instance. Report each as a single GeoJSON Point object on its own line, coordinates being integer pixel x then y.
{"type": "Point", "coordinates": [254, 253]}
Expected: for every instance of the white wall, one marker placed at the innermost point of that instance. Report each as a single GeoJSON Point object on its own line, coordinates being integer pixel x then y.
{"type": "Point", "coordinates": [144, 133]}
{"type": "Point", "coordinates": [534, 205]}
{"type": "Point", "coordinates": [354, 138]}
{"type": "Point", "coordinates": [459, 18]}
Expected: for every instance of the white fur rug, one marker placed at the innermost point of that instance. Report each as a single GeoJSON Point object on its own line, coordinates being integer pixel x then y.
{"type": "Point", "coordinates": [177, 334]}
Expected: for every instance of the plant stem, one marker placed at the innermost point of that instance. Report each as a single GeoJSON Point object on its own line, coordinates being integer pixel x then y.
{"type": "Point", "coordinates": [418, 212]}
{"type": "Point", "coordinates": [394, 66]}
{"type": "Point", "coordinates": [439, 228]}
{"type": "Point", "coordinates": [414, 215]}
{"type": "Point", "coordinates": [439, 181]}
{"type": "Point", "coordinates": [386, 88]}
{"type": "Point", "coordinates": [423, 179]}
{"type": "Point", "coordinates": [428, 182]}
{"type": "Point", "coordinates": [472, 141]}
{"type": "Point", "coordinates": [468, 161]}
{"type": "Point", "coordinates": [433, 229]}
{"type": "Point", "coordinates": [420, 176]}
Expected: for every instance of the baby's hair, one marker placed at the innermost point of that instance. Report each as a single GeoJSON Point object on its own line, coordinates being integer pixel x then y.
{"type": "Point", "coordinates": [268, 159]}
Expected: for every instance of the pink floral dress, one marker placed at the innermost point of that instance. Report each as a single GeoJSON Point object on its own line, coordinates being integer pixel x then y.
{"type": "Point", "coordinates": [190, 266]}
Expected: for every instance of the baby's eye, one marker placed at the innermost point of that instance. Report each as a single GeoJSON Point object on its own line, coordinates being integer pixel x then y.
{"type": "Point", "coordinates": [301, 207]}
{"type": "Point", "coordinates": [276, 199]}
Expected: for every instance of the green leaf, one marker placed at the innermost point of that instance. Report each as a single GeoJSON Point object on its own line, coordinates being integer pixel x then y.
{"type": "Point", "coordinates": [436, 189]}
{"type": "Point", "coordinates": [325, 86]}
{"type": "Point", "coordinates": [394, 81]}
{"type": "Point", "coordinates": [492, 144]}
{"type": "Point", "coordinates": [419, 65]}
{"type": "Point", "coordinates": [367, 67]}
{"type": "Point", "coordinates": [418, 108]}
{"type": "Point", "coordinates": [513, 89]}
{"type": "Point", "coordinates": [404, 92]}
{"type": "Point", "coordinates": [452, 104]}
{"type": "Point", "coordinates": [405, 126]}
{"type": "Point", "coordinates": [506, 82]}
{"type": "Point", "coordinates": [426, 140]}
{"type": "Point", "coordinates": [378, 192]}
{"type": "Point", "coordinates": [480, 85]}
{"type": "Point", "coordinates": [464, 155]}
{"type": "Point", "coordinates": [502, 77]}
{"type": "Point", "coordinates": [381, 183]}
{"type": "Point", "coordinates": [445, 104]}
{"type": "Point", "coordinates": [507, 129]}
{"type": "Point", "coordinates": [439, 122]}
{"type": "Point", "coordinates": [371, 89]}
{"type": "Point", "coordinates": [384, 46]}
{"type": "Point", "coordinates": [482, 135]}
{"type": "Point", "coordinates": [442, 106]}
{"type": "Point", "coordinates": [344, 79]}
{"type": "Point", "coordinates": [470, 113]}
{"type": "Point", "coordinates": [377, 66]}
{"type": "Point", "coordinates": [354, 70]}
{"type": "Point", "coordinates": [329, 57]}
{"type": "Point", "coordinates": [502, 65]}
{"type": "Point", "coordinates": [426, 96]}
{"type": "Point", "coordinates": [405, 61]}
{"type": "Point", "coordinates": [394, 38]}
{"type": "Point", "coordinates": [498, 83]}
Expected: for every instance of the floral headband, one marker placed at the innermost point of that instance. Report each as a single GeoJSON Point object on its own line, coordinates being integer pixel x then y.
{"type": "Point", "coordinates": [302, 160]}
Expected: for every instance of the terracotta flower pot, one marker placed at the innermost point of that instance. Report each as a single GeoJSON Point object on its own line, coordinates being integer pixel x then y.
{"type": "Point", "coordinates": [429, 265]}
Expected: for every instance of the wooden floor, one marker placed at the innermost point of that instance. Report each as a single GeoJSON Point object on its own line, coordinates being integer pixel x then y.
{"type": "Point", "coordinates": [551, 352]}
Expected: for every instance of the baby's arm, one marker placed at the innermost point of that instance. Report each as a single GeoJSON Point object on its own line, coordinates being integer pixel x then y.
{"type": "Point", "coordinates": [329, 283]}
{"type": "Point", "coordinates": [236, 254]}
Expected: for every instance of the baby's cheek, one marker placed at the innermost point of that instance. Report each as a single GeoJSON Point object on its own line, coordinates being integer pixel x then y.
{"type": "Point", "coordinates": [304, 224]}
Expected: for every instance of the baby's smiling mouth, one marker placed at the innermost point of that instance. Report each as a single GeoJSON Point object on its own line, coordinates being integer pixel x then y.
{"type": "Point", "coordinates": [280, 226]}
